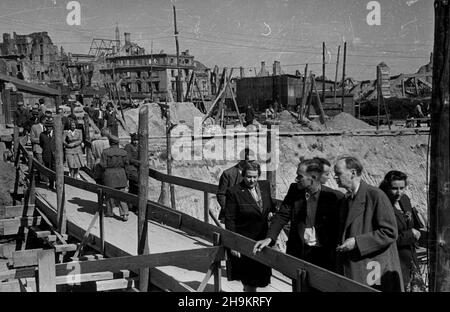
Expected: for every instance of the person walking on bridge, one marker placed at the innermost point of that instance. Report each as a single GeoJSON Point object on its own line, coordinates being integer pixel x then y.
{"type": "Point", "coordinates": [74, 155]}
{"type": "Point", "coordinates": [247, 209]}
{"type": "Point", "coordinates": [113, 161]}
{"type": "Point", "coordinates": [47, 143]}
{"type": "Point", "coordinates": [230, 177]}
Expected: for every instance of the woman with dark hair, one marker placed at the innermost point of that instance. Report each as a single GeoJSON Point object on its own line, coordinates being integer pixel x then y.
{"type": "Point", "coordinates": [408, 222]}
{"type": "Point", "coordinates": [247, 208]}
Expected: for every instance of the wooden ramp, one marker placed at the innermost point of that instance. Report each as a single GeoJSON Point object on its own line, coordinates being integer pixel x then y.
{"type": "Point", "coordinates": [121, 240]}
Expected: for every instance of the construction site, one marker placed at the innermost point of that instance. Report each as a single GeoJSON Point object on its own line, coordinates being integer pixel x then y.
{"type": "Point", "coordinates": [191, 121]}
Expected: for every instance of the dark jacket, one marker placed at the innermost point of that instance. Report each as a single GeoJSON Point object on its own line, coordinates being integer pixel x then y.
{"type": "Point", "coordinates": [229, 178]}
{"type": "Point", "coordinates": [21, 117]}
{"type": "Point", "coordinates": [242, 214]}
{"type": "Point", "coordinates": [406, 243]}
{"type": "Point", "coordinates": [245, 217]}
{"type": "Point", "coordinates": [48, 146]}
{"type": "Point", "coordinates": [293, 209]}
{"type": "Point", "coordinates": [132, 168]}
{"type": "Point", "coordinates": [114, 160]}
{"type": "Point", "coordinates": [370, 219]}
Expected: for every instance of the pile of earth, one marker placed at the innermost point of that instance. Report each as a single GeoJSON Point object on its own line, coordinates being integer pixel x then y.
{"type": "Point", "coordinates": [378, 154]}
{"type": "Point", "coordinates": [179, 113]}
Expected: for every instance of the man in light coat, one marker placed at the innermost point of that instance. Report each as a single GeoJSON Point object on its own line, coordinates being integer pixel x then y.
{"type": "Point", "coordinates": [35, 134]}
{"type": "Point", "coordinates": [367, 252]}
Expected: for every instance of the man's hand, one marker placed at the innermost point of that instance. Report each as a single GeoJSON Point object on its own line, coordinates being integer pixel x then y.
{"type": "Point", "coordinates": [261, 244]}
{"type": "Point", "coordinates": [235, 253]}
{"type": "Point", "coordinates": [416, 234]}
{"type": "Point", "coordinates": [348, 245]}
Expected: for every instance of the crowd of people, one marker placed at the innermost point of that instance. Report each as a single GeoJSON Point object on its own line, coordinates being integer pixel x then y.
{"type": "Point", "coordinates": [368, 234]}
{"type": "Point", "coordinates": [113, 166]}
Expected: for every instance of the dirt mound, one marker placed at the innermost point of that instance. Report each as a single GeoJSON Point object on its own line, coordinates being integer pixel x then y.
{"type": "Point", "coordinates": [179, 113]}
{"type": "Point", "coordinates": [345, 121]}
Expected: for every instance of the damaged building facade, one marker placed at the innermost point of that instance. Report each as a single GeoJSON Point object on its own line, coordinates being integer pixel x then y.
{"type": "Point", "coordinates": [134, 71]}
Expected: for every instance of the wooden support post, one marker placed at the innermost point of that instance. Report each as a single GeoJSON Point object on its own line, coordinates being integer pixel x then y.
{"type": "Point", "coordinates": [169, 156]}
{"type": "Point", "coordinates": [46, 271]}
{"type": "Point", "coordinates": [6, 94]}
{"type": "Point", "coordinates": [319, 104]}
{"type": "Point", "coordinates": [439, 188]}
{"type": "Point", "coordinates": [336, 75]}
{"type": "Point", "coordinates": [343, 77]}
{"type": "Point", "coordinates": [87, 138]}
{"type": "Point", "coordinates": [300, 284]}
{"type": "Point", "coordinates": [143, 247]}
{"type": "Point", "coordinates": [217, 267]}
{"type": "Point", "coordinates": [379, 95]}
{"type": "Point", "coordinates": [206, 207]}
{"type": "Point", "coordinates": [59, 169]}
{"type": "Point", "coordinates": [403, 87]}
{"type": "Point", "coordinates": [241, 121]}
{"type": "Point", "coordinates": [303, 101]}
{"type": "Point", "coordinates": [16, 162]}
{"type": "Point", "coordinates": [323, 72]}
{"type": "Point", "coordinates": [30, 196]}
{"type": "Point", "coordinates": [190, 84]}
{"type": "Point", "coordinates": [271, 174]}
{"type": "Point", "coordinates": [101, 220]}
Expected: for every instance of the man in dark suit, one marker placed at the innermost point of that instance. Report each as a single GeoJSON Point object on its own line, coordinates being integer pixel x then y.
{"type": "Point", "coordinates": [248, 205]}
{"type": "Point", "coordinates": [230, 177]}
{"type": "Point", "coordinates": [312, 209]}
{"type": "Point", "coordinates": [367, 231]}
{"type": "Point", "coordinates": [47, 143]}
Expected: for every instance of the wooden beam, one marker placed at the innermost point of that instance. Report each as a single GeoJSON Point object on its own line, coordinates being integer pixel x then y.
{"type": "Point", "coordinates": [46, 271]}
{"type": "Point", "coordinates": [86, 235]}
{"type": "Point", "coordinates": [19, 221]}
{"type": "Point", "coordinates": [16, 211]}
{"type": "Point", "coordinates": [12, 286]}
{"type": "Point", "coordinates": [90, 277]}
{"type": "Point", "coordinates": [174, 258]}
{"type": "Point", "coordinates": [24, 258]}
{"type": "Point", "coordinates": [116, 284]}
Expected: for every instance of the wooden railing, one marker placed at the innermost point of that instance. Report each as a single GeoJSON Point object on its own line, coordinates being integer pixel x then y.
{"type": "Point", "coordinates": [304, 274]}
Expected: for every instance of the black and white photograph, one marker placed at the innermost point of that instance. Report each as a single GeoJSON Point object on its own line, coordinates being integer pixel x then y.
{"type": "Point", "coordinates": [224, 151]}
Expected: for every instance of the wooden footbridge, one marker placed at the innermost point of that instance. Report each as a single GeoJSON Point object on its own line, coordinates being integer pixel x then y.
{"type": "Point", "coordinates": [160, 246]}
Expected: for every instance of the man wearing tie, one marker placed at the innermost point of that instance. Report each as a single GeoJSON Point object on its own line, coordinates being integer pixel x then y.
{"type": "Point", "coordinates": [47, 143]}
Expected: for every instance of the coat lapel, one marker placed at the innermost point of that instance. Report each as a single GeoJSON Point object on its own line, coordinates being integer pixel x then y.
{"type": "Point", "coordinates": [356, 206]}
{"type": "Point", "coordinates": [248, 198]}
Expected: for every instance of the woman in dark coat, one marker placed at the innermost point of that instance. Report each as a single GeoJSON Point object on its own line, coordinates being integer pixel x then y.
{"type": "Point", "coordinates": [247, 209]}
{"type": "Point", "coordinates": [408, 222]}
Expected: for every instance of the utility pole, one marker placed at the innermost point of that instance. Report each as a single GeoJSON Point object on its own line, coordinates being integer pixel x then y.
{"type": "Point", "coordinates": [439, 188]}
{"type": "Point", "coordinates": [178, 80]}
{"type": "Point", "coordinates": [336, 75]}
{"type": "Point", "coordinates": [323, 72]}
{"type": "Point", "coordinates": [151, 71]}
{"type": "Point", "coordinates": [343, 76]}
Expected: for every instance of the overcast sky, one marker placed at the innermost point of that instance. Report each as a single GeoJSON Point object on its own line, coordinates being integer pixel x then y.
{"type": "Point", "coordinates": [237, 33]}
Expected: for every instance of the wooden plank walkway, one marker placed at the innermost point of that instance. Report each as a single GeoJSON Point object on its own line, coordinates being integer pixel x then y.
{"type": "Point", "coordinates": [121, 240]}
